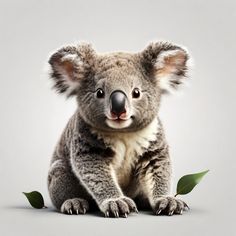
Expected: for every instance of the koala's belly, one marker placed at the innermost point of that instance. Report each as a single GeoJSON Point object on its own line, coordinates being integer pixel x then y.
{"type": "Point", "coordinates": [124, 163]}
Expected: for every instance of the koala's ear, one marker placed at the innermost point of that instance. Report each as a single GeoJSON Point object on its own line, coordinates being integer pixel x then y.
{"type": "Point", "coordinates": [166, 63]}
{"type": "Point", "coordinates": [69, 65]}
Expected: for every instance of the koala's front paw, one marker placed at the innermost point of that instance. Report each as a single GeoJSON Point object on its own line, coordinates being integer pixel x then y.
{"type": "Point", "coordinates": [75, 206]}
{"type": "Point", "coordinates": [169, 206]}
{"type": "Point", "coordinates": [118, 207]}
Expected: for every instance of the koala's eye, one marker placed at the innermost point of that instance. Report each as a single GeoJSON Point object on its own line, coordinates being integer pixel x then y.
{"type": "Point", "coordinates": [100, 93]}
{"type": "Point", "coordinates": [136, 93]}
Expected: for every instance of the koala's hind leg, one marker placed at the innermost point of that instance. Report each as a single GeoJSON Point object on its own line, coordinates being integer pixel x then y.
{"type": "Point", "coordinates": [65, 191]}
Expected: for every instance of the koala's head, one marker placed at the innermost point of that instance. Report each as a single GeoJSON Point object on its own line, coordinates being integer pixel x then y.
{"type": "Point", "coordinates": [118, 91]}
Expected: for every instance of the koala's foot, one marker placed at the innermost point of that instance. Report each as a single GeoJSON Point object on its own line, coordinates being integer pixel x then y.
{"type": "Point", "coordinates": [75, 206]}
{"type": "Point", "coordinates": [169, 206]}
{"type": "Point", "coordinates": [118, 207]}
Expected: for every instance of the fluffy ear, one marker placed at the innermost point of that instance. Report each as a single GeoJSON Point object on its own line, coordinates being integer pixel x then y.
{"type": "Point", "coordinates": [69, 65]}
{"type": "Point", "coordinates": [166, 63]}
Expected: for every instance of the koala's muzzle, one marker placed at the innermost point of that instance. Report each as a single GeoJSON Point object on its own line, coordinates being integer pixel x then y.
{"type": "Point", "coordinates": [118, 99]}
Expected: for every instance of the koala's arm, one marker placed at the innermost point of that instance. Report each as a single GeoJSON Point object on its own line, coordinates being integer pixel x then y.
{"type": "Point", "coordinates": [95, 173]}
{"type": "Point", "coordinates": [92, 165]}
{"type": "Point", "coordinates": [154, 174]}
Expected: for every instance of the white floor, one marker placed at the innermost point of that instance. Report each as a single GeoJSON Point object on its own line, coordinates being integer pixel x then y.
{"type": "Point", "coordinates": [24, 220]}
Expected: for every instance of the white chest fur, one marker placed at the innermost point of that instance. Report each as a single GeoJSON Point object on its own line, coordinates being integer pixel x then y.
{"type": "Point", "coordinates": [128, 147]}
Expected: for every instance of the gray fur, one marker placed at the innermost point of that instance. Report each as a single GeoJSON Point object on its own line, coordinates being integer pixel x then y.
{"type": "Point", "coordinates": [106, 163]}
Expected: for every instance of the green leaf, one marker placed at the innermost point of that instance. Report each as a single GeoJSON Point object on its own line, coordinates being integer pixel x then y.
{"type": "Point", "coordinates": [35, 199]}
{"type": "Point", "coordinates": [188, 182]}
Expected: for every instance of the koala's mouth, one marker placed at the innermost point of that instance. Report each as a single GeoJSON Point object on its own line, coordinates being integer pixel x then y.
{"type": "Point", "coordinates": [119, 123]}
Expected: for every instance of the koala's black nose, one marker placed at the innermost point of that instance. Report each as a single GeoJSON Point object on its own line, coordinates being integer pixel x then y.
{"type": "Point", "coordinates": [118, 102]}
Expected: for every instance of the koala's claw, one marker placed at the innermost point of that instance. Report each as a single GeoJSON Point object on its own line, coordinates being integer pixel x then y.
{"type": "Point", "coordinates": [118, 207]}
{"type": "Point", "coordinates": [169, 206]}
{"type": "Point", "coordinates": [186, 206]}
{"type": "Point", "coordinates": [75, 206]}
{"type": "Point", "coordinates": [171, 213]}
{"type": "Point", "coordinates": [116, 214]}
{"type": "Point", "coordinates": [158, 212]}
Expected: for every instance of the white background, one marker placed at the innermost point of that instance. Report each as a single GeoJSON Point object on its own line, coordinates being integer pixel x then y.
{"type": "Point", "coordinates": [199, 123]}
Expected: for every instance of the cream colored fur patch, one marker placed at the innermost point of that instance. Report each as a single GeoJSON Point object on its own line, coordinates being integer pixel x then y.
{"type": "Point", "coordinates": [128, 147]}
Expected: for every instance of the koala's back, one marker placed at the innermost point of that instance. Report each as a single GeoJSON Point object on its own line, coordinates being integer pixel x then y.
{"type": "Point", "coordinates": [62, 150]}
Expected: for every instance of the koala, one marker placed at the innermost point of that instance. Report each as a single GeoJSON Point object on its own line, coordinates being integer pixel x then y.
{"type": "Point", "coordinates": [113, 155]}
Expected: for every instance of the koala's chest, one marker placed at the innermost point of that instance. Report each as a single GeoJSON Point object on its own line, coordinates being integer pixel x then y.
{"type": "Point", "coordinates": [128, 150]}
{"type": "Point", "coordinates": [127, 154]}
